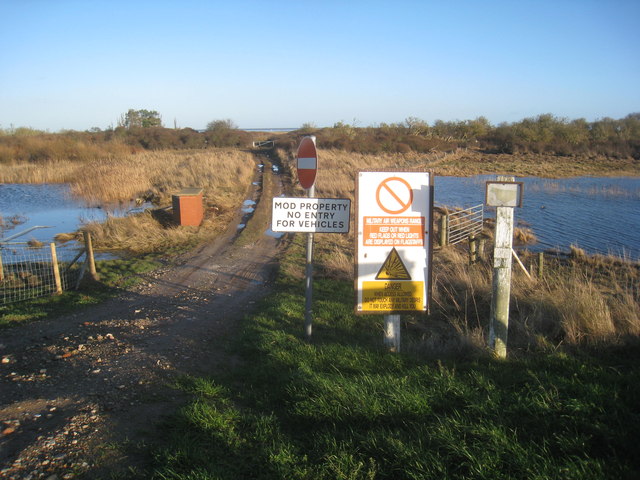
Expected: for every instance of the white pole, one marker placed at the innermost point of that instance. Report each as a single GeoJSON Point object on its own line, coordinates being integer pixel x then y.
{"type": "Point", "coordinates": [392, 333]}
{"type": "Point", "coordinates": [499, 320]}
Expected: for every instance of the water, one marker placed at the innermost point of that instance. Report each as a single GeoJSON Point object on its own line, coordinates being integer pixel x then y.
{"type": "Point", "coordinates": [598, 214]}
{"type": "Point", "coordinates": [49, 205]}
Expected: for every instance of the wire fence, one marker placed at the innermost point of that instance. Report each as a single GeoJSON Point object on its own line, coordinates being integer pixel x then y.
{"type": "Point", "coordinates": [27, 272]}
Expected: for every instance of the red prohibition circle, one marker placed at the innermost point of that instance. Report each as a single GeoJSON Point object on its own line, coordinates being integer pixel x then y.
{"type": "Point", "coordinates": [385, 185]}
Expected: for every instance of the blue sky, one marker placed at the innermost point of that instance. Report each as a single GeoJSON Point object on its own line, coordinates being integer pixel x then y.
{"type": "Point", "coordinates": [82, 64]}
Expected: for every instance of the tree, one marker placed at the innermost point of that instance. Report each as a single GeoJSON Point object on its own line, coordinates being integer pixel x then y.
{"type": "Point", "coordinates": [140, 118]}
{"type": "Point", "coordinates": [221, 125]}
{"type": "Point", "coordinates": [224, 133]}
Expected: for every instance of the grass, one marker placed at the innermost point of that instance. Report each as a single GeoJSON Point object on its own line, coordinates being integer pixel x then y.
{"type": "Point", "coordinates": [336, 176]}
{"type": "Point", "coordinates": [223, 174]}
{"type": "Point", "coordinates": [112, 180]}
{"type": "Point", "coordinates": [341, 407]}
{"type": "Point", "coordinates": [115, 275]}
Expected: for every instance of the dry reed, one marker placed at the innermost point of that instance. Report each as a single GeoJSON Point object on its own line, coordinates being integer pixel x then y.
{"type": "Point", "coordinates": [112, 180]}
{"type": "Point", "coordinates": [586, 300]}
{"type": "Point", "coordinates": [224, 174]}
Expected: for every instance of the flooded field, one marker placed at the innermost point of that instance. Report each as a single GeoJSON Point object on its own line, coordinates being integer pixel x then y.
{"type": "Point", "coordinates": [24, 206]}
{"type": "Point", "coordinates": [597, 214]}
{"type": "Point", "coordinates": [600, 215]}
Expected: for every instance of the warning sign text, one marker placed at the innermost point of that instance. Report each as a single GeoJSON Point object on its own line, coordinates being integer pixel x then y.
{"type": "Point", "coordinates": [392, 296]}
{"type": "Point", "coordinates": [393, 231]}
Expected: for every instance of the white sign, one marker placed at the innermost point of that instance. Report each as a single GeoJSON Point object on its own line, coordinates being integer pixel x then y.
{"type": "Point", "coordinates": [504, 194]}
{"type": "Point", "coordinates": [394, 241]}
{"type": "Point", "coordinates": [312, 215]}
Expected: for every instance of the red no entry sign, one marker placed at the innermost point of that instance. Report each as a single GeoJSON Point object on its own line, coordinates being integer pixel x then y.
{"type": "Point", "coordinates": [394, 195]}
{"type": "Point", "coordinates": [307, 162]}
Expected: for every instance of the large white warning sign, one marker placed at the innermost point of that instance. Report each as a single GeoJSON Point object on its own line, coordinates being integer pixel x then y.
{"type": "Point", "coordinates": [393, 241]}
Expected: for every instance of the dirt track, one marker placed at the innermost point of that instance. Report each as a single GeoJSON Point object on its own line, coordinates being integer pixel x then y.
{"type": "Point", "coordinates": [80, 394]}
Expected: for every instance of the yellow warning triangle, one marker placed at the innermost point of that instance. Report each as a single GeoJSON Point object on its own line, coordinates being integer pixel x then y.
{"type": "Point", "coordinates": [393, 268]}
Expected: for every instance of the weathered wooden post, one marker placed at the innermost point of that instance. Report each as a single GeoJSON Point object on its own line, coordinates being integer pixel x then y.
{"type": "Point", "coordinates": [473, 249]}
{"type": "Point", "coordinates": [481, 244]}
{"type": "Point", "coordinates": [91, 262]}
{"type": "Point", "coordinates": [56, 269]}
{"type": "Point", "coordinates": [505, 194]}
{"type": "Point", "coordinates": [444, 225]}
{"type": "Point", "coordinates": [540, 264]}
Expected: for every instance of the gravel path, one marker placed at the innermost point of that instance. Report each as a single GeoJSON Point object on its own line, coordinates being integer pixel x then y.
{"type": "Point", "coordinates": [81, 395]}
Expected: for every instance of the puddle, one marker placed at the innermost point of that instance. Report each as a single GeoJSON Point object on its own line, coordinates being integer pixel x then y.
{"type": "Point", "coordinates": [273, 234]}
{"type": "Point", "coordinates": [248, 206]}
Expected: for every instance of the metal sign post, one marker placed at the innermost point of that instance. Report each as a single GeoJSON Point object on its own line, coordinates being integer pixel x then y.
{"type": "Point", "coordinates": [505, 194]}
{"type": "Point", "coordinates": [307, 165]}
{"type": "Point", "coordinates": [308, 284]}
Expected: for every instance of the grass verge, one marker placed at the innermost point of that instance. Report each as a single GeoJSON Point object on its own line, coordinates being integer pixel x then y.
{"type": "Point", "coordinates": [114, 276]}
{"type": "Point", "coordinates": [343, 408]}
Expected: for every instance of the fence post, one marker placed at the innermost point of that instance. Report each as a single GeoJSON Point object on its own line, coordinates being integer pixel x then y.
{"type": "Point", "coordinates": [56, 269]}
{"type": "Point", "coordinates": [481, 245]}
{"type": "Point", "coordinates": [444, 225]}
{"type": "Point", "coordinates": [1, 268]}
{"type": "Point", "coordinates": [90, 258]}
{"type": "Point", "coordinates": [540, 264]}
{"type": "Point", "coordinates": [473, 249]}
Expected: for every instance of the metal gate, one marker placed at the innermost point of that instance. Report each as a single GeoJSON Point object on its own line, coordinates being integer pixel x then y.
{"type": "Point", "coordinates": [463, 223]}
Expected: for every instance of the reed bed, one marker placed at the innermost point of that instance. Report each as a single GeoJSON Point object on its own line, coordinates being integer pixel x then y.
{"type": "Point", "coordinates": [584, 299]}
{"type": "Point", "coordinates": [581, 300]}
{"type": "Point", "coordinates": [109, 181]}
{"type": "Point", "coordinates": [223, 174]}
{"type": "Point", "coordinates": [336, 173]}
{"type": "Point", "coordinates": [149, 232]}
{"type": "Point", "coordinates": [337, 168]}
{"type": "Point", "coordinates": [158, 174]}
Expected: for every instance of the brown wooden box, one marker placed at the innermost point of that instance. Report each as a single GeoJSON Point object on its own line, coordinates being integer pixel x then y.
{"type": "Point", "coordinates": [187, 207]}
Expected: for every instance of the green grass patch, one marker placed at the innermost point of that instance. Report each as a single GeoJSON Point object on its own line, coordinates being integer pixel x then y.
{"type": "Point", "coordinates": [125, 272]}
{"type": "Point", "coordinates": [340, 407]}
{"type": "Point", "coordinates": [114, 275]}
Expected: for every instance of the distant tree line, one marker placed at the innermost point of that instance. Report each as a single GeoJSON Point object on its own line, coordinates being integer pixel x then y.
{"type": "Point", "coordinates": [137, 130]}
{"type": "Point", "coordinates": [143, 130]}
{"type": "Point", "coordinates": [542, 134]}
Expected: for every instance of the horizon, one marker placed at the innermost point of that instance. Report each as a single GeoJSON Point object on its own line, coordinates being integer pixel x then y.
{"type": "Point", "coordinates": [69, 65]}
{"type": "Point", "coordinates": [13, 128]}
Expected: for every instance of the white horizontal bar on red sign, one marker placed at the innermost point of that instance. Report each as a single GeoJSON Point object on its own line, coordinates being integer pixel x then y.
{"type": "Point", "coordinates": [307, 163]}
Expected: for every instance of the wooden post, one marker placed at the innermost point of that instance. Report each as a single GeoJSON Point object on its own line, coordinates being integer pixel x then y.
{"type": "Point", "coordinates": [473, 249]}
{"type": "Point", "coordinates": [524, 269]}
{"type": "Point", "coordinates": [56, 269]}
{"type": "Point", "coordinates": [1, 268]}
{"type": "Point", "coordinates": [90, 258]}
{"type": "Point", "coordinates": [444, 223]}
{"type": "Point", "coordinates": [481, 244]}
{"type": "Point", "coordinates": [540, 264]}
{"type": "Point", "coordinates": [499, 318]}
{"type": "Point", "coordinates": [392, 333]}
